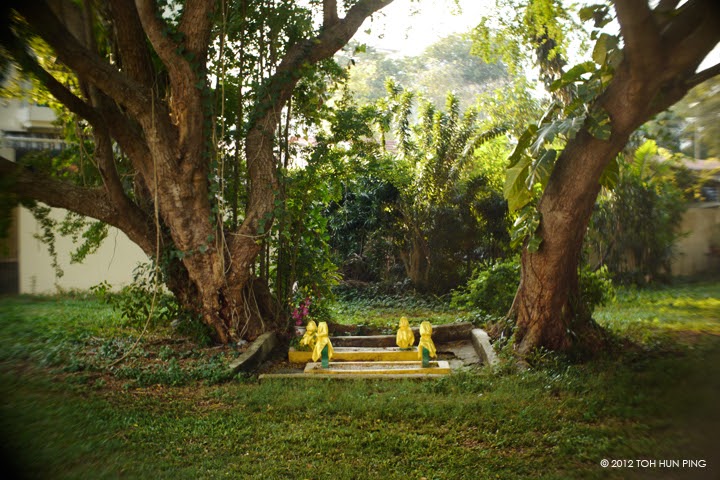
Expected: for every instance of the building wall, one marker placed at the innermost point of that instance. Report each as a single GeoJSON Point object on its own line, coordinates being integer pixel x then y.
{"type": "Point", "coordinates": [113, 262]}
{"type": "Point", "coordinates": [699, 251]}
{"type": "Point", "coordinates": [24, 260]}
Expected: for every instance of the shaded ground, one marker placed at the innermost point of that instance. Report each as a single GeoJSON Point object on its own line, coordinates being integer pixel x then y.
{"type": "Point", "coordinates": [62, 416]}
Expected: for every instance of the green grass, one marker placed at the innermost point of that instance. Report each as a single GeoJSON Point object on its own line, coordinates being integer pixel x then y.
{"type": "Point", "coordinates": [656, 399]}
{"type": "Point", "coordinates": [688, 307]}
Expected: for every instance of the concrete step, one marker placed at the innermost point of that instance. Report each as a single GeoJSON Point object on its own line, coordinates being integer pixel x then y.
{"type": "Point", "coordinates": [358, 354]}
{"type": "Point", "coordinates": [440, 367]}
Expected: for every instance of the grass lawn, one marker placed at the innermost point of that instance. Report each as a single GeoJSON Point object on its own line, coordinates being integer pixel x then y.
{"type": "Point", "coordinates": [167, 411]}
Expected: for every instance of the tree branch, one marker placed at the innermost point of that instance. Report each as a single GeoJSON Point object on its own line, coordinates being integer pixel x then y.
{"type": "Point", "coordinates": [85, 63]}
{"type": "Point", "coordinates": [28, 63]}
{"type": "Point", "coordinates": [640, 34]}
{"type": "Point", "coordinates": [666, 5]}
{"type": "Point", "coordinates": [686, 53]}
{"type": "Point", "coordinates": [700, 77]}
{"type": "Point", "coordinates": [134, 59]}
{"type": "Point", "coordinates": [684, 20]}
{"type": "Point", "coordinates": [323, 46]}
{"type": "Point", "coordinates": [91, 202]}
{"type": "Point", "coordinates": [664, 12]}
{"type": "Point", "coordinates": [196, 26]}
{"type": "Point", "coordinates": [107, 116]}
{"type": "Point", "coordinates": [155, 30]}
{"type": "Point", "coordinates": [186, 100]}
{"type": "Point", "coordinates": [104, 159]}
{"type": "Point", "coordinates": [330, 14]}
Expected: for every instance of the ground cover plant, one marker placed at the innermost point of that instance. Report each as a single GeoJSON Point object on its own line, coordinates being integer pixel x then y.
{"type": "Point", "coordinates": [654, 396]}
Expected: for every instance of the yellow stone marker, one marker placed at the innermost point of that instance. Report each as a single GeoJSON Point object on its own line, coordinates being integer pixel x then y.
{"type": "Point", "coordinates": [310, 335]}
{"type": "Point", "coordinates": [322, 340]}
{"type": "Point", "coordinates": [426, 343]}
{"type": "Point", "coordinates": [405, 336]}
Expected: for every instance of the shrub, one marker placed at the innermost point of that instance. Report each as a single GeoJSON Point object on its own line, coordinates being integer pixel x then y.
{"type": "Point", "coordinates": [491, 290]}
{"type": "Point", "coordinates": [596, 287]}
{"type": "Point", "coordinates": [133, 303]}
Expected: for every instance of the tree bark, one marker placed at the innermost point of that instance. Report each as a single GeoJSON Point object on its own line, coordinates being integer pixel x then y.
{"type": "Point", "coordinates": [417, 260]}
{"type": "Point", "coordinates": [661, 55]}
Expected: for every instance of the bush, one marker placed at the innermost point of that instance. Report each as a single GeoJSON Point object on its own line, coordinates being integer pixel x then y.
{"type": "Point", "coordinates": [596, 287]}
{"type": "Point", "coordinates": [133, 303]}
{"type": "Point", "coordinates": [492, 290]}
{"type": "Point", "coordinates": [636, 225]}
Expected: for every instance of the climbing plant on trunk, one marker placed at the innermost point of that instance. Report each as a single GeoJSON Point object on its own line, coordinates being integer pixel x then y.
{"type": "Point", "coordinates": [143, 89]}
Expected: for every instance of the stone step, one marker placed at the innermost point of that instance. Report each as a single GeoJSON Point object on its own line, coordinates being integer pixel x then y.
{"type": "Point", "coordinates": [358, 354]}
{"type": "Point", "coordinates": [343, 376]}
{"type": "Point", "coordinates": [440, 367]}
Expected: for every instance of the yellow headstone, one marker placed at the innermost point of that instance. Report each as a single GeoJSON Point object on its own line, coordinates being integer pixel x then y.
{"type": "Point", "coordinates": [405, 336]}
{"type": "Point", "coordinates": [321, 340]}
{"type": "Point", "coordinates": [426, 340]}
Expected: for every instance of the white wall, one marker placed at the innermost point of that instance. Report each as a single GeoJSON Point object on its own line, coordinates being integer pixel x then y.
{"type": "Point", "coordinates": [696, 251]}
{"type": "Point", "coordinates": [113, 262]}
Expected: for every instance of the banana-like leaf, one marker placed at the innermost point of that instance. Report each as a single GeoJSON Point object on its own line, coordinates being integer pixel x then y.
{"type": "Point", "coordinates": [515, 190]}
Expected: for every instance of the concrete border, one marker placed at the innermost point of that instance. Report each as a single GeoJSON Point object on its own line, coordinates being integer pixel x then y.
{"type": "Point", "coordinates": [357, 354]}
{"type": "Point", "coordinates": [343, 376]}
{"type": "Point", "coordinates": [481, 342]}
{"type": "Point", "coordinates": [258, 351]}
{"type": "Point", "coordinates": [437, 367]}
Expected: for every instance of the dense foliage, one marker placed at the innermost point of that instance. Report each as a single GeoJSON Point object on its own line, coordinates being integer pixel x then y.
{"type": "Point", "coordinates": [429, 203]}
{"type": "Point", "coordinates": [636, 224]}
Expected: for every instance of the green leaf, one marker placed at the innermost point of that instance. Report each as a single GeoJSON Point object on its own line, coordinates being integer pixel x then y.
{"type": "Point", "coordinates": [546, 134]}
{"type": "Point", "coordinates": [542, 168]}
{"type": "Point", "coordinates": [586, 13]}
{"type": "Point", "coordinates": [615, 56]}
{"type": "Point", "coordinates": [643, 155]}
{"type": "Point", "coordinates": [515, 190]}
{"type": "Point", "coordinates": [525, 226]}
{"type": "Point", "coordinates": [604, 45]}
{"type": "Point", "coordinates": [524, 142]}
{"type": "Point", "coordinates": [611, 174]}
{"type": "Point", "coordinates": [534, 243]}
{"type": "Point", "coordinates": [572, 75]}
{"type": "Point", "coordinates": [599, 124]}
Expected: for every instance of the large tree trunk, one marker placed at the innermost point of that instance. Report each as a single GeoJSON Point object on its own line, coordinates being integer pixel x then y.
{"type": "Point", "coordinates": [662, 52]}
{"type": "Point", "coordinates": [160, 118]}
{"type": "Point", "coordinates": [548, 307]}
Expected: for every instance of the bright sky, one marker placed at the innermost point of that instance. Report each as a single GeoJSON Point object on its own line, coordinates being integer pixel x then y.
{"type": "Point", "coordinates": [407, 28]}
